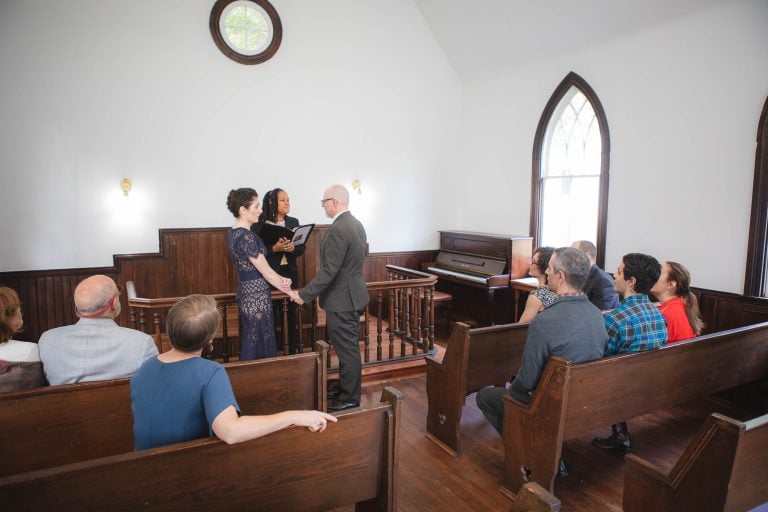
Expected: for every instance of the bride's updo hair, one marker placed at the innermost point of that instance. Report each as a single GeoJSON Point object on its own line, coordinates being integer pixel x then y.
{"type": "Point", "coordinates": [240, 197]}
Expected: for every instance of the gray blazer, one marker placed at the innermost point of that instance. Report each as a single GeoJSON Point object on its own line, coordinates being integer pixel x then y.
{"type": "Point", "coordinates": [93, 349]}
{"type": "Point", "coordinates": [340, 282]}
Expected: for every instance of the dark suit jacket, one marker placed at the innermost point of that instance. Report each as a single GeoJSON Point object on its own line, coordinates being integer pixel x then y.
{"type": "Point", "coordinates": [340, 282]}
{"type": "Point", "coordinates": [274, 258]}
{"type": "Point", "coordinates": [599, 289]}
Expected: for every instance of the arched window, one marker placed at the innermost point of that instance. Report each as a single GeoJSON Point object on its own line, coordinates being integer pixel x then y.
{"type": "Point", "coordinates": [571, 153]}
{"type": "Point", "coordinates": [756, 279]}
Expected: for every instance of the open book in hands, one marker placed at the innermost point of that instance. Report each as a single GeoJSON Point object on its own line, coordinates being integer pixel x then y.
{"type": "Point", "coordinates": [271, 233]}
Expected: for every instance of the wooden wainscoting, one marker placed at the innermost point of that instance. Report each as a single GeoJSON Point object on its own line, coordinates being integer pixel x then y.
{"type": "Point", "coordinates": [46, 296]}
{"type": "Point", "coordinates": [190, 260]}
{"type": "Point", "coordinates": [723, 310]}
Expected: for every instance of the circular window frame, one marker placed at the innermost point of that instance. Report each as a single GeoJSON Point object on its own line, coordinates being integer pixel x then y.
{"type": "Point", "coordinates": [277, 32]}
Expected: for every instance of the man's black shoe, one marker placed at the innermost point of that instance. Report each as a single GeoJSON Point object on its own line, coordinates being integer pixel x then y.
{"type": "Point", "coordinates": [340, 405]}
{"type": "Point", "coordinates": [333, 393]}
{"type": "Point", "coordinates": [619, 442]}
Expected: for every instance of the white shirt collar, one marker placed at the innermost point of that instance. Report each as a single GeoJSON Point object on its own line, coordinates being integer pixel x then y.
{"type": "Point", "coordinates": [337, 215]}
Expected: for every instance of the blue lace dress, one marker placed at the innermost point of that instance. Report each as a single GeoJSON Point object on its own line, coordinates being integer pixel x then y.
{"type": "Point", "coordinates": [254, 297]}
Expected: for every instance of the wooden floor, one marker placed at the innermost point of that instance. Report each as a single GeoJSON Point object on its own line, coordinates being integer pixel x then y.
{"type": "Point", "coordinates": [431, 479]}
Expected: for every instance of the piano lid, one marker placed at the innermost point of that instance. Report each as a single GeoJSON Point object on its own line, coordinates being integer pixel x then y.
{"type": "Point", "coordinates": [463, 263]}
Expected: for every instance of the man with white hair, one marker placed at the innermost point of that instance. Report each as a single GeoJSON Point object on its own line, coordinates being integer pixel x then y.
{"type": "Point", "coordinates": [340, 284]}
{"type": "Point", "coordinates": [95, 348]}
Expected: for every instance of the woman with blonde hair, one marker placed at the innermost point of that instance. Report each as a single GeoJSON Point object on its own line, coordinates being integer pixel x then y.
{"type": "Point", "coordinates": [677, 303]}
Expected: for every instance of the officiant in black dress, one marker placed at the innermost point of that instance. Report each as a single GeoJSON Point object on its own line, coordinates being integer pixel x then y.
{"type": "Point", "coordinates": [281, 256]}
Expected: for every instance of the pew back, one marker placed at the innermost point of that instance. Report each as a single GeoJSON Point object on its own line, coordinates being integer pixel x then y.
{"type": "Point", "coordinates": [601, 392]}
{"type": "Point", "coordinates": [574, 399]}
{"type": "Point", "coordinates": [474, 358]}
{"type": "Point", "coordinates": [724, 468]}
{"type": "Point", "coordinates": [59, 425]}
{"type": "Point", "coordinates": [353, 461]}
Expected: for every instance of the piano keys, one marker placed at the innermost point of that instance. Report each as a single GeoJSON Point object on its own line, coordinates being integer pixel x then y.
{"type": "Point", "coordinates": [476, 268]}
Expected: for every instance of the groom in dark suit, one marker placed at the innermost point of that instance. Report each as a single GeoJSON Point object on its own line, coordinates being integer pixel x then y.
{"type": "Point", "coordinates": [340, 283]}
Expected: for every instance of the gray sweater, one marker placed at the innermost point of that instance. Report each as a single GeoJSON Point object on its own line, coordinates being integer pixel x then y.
{"type": "Point", "coordinates": [572, 328]}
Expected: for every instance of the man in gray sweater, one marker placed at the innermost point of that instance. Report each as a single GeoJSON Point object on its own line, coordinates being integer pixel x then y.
{"type": "Point", "coordinates": [572, 327]}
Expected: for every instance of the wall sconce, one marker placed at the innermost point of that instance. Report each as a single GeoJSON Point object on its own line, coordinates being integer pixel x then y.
{"type": "Point", "coordinates": [126, 186]}
{"type": "Point", "coordinates": [356, 186]}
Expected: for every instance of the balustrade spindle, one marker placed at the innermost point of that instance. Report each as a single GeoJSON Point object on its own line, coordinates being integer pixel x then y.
{"type": "Point", "coordinates": [158, 332]}
{"type": "Point", "coordinates": [392, 324]}
{"type": "Point", "coordinates": [284, 304]}
{"type": "Point", "coordinates": [430, 315]}
{"type": "Point", "coordinates": [417, 320]}
{"type": "Point", "coordinates": [224, 334]}
{"type": "Point", "coordinates": [300, 327]}
{"type": "Point", "coordinates": [379, 323]}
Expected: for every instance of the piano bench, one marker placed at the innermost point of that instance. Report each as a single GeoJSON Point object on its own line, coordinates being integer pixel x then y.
{"type": "Point", "coordinates": [442, 300]}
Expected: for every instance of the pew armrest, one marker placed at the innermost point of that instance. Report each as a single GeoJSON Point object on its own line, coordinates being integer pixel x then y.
{"type": "Point", "coordinates": [635, 464]}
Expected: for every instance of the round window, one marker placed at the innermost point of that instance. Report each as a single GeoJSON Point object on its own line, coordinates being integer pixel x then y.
{"type": "Point", "coordinates": [246, 31]}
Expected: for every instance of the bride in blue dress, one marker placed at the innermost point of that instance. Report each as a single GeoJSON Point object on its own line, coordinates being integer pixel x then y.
{"type": "Point", "coordinates": [254, 296]}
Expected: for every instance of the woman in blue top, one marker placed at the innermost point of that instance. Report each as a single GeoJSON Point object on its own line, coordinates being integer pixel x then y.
{"type": "Point", "coordinates": [179, 396]}
{"type": "Point", "coordinates": [254, 297]}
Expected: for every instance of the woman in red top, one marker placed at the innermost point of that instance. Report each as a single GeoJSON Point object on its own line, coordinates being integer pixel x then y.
{"type": "Point", "coordinates": [678, 305]}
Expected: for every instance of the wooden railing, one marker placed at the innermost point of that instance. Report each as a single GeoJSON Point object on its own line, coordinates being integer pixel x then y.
{"type": "Point", "coordinates": [400, 314]}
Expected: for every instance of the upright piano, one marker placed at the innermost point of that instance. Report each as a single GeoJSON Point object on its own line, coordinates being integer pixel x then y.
{"type": "Point", "coordinates": [475, 268]}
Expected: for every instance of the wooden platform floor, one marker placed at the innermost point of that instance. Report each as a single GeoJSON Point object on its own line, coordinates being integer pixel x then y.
{"type": "Point", "coordinates": [431, 479]}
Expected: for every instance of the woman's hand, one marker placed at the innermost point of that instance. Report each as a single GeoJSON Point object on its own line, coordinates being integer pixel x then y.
{"type": "Point", "coordinates": [283, 245]}
{"type": "Point", "coordinates": [315, 421]}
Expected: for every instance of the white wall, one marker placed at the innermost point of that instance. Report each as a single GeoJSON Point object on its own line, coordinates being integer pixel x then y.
{"type": "Point", "coordinates": [94, 91]}
{"type": "Point", "coordinates": [361, 89]}
{"type": "Point", "coordinates": [682, 97]}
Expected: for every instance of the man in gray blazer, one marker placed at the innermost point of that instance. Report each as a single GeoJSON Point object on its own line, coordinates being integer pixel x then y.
{"type": "Point", "coordinates": [95, 348]}
{"type": "Point", "coordinates": [340, 284]}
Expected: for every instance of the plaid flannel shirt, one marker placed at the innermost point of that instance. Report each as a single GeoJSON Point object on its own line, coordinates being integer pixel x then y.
{"type": "Point", "coordinates": [635, 325]}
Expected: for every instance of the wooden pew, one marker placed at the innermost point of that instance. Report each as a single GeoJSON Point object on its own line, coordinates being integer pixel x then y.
{"type": "Point", "coordinates": [534, 498]}
{"type": "Point", "coordinates": [724, 468]}
{"type": "Point", "coordinates": [59, 425]}
{"type": "Point", "coordinates": [475, 358]}
{"type": "Point", "coordinates": [353, 461]}
{"type": "Point", "coordinates": [575, 399]}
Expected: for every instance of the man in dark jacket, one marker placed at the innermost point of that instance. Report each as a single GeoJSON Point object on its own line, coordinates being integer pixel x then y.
{"type": "Point", "coordinates": [599, 287]}
{"type": "Point", "coordinates": [340, 284]}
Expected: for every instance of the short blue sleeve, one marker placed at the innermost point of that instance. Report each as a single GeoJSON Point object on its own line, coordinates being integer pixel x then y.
{"type": "Point", "coordinates": [218, 395]}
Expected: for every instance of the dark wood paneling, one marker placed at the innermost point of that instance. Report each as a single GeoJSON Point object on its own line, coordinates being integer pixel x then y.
{"type": "Point", "coordinates": [193, 260]}
{"type": "Point", "coordinates": [46, 296]}
{"type": "Point", "coordinates": [723, 310]}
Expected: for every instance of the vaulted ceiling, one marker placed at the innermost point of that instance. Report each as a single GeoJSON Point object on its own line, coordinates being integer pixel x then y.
{"type": "Point", "coordinates": [479, 34]}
